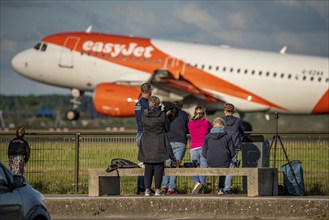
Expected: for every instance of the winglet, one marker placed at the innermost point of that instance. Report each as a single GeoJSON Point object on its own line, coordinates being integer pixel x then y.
{"type": "Point", "coordinates": [283, 50]}
{"type": "Point", "coordinates": [88, 30]}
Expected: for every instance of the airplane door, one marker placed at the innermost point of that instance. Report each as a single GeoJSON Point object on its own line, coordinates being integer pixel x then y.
{"type": "Point", "coordinates": [66, 56]}
{"type": "Point", "coordinates": [175, 66]}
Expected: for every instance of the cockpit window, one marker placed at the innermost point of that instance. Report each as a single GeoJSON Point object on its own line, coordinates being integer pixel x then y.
{"type": "Point", "coordinates": [37, 46]}
{"type": "Point", "coordinates": [44, 47]}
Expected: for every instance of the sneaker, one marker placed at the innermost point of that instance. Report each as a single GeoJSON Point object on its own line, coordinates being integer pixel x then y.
{"type": "Point", "coordinates": [228, 192]}
{"type": "Point", "coordinates": [164, 189]}
{"type": "Point", "coordinates": [158, 192]}
{"type": "Point", "coordinates": [140, 191]}
{"type": "Point", "coordinates": [221, 192]}
{"type": "Point", "coordinates": [170, 192]}
{"type": "Point", "coordinates": [147, 192]}
{"type": "Point", "coordinates": [196, 188]}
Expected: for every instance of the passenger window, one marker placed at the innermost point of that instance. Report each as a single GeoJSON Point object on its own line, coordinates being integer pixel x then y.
{"type": "Point", "coordinates": [217, 67]}
{"type": "Point", "coordinates": [224, 69]}
{"type": "Point", "coordinates": [37, 46]}
{"type": "Point", "coordinates": [202, 67]}
{"type": "Point", "coordinates": [245, 71]}
{"type": "Point", "coordinates": [209, 67]}
{"type": "Point", "coordinates": [260, 73]}
{"type": "Point", "coordinates": [44, 47]}
{"type": "Point", "coordinates": [238, 71]}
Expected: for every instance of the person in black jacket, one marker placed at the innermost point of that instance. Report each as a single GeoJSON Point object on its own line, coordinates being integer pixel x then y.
{"type": "Point", "coordinates": [18, 152]}
{"type": "Point", "coordinates": [178, 140]}
{"type": "Point", "coordinates": [234, 128]}
{"type": "Point", "coordinates": [155, 147]}
{"type": "Point", "coordinates": [218, 149]}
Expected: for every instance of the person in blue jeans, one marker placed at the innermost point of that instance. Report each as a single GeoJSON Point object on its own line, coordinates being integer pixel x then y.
{"type": "Point", "coordinates": [219, 149]}
{"type": "Point", "coordinates": [199, 126]}
{"type": "Point", "coordinates": [177, 138]}
{"type": "Point", "coordinates": [141, 105]}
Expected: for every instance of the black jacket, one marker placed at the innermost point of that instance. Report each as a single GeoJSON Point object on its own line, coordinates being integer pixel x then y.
{"type": "Point", "coordinates": [19, 146]}
{"type": "Point", "coordinates": [218, 149]}
{"type": "Point", "coordinates": [155, 146]}
{"type": "Point", "coordinates": [234, 128]}
{"type": "Point", "coordinates": [179, 128]}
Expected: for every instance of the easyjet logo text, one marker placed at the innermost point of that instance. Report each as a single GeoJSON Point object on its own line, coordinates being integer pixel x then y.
{"type": "Point", "coordinates": [116, 49]}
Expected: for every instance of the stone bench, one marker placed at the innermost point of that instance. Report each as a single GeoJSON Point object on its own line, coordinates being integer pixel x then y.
{"type": "Point", "coordinates": [260, 181]}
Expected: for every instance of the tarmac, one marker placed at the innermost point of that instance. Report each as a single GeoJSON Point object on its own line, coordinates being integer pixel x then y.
{"type": "Point", "coordinates": [204, 206]}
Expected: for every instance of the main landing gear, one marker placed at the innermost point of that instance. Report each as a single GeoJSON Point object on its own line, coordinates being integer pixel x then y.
{"type": "Point", "coordinates": [74, 114]}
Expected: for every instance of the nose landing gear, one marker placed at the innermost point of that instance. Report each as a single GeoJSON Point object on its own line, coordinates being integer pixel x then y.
{"type": "Point", "coordinates": [74, 114]}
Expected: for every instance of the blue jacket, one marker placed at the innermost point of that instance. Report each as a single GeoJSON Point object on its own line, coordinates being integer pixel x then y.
{"type": "Point", "coordinates": [141, 105]}
{"type": "Point", "coordinates": [234, 128]}
{"type": "Point", "coordinates": [218, 148]}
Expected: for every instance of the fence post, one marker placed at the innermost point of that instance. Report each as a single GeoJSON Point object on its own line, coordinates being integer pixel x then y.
{"type": "Point", "coordinates": [76, 176]}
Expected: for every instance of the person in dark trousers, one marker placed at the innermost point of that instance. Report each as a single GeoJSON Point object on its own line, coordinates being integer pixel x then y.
{"type": "Point", "coordinates": [155, 147]}
{"type": "Point", "coordinates": [218, 149]}
{"type": "Point", "coordinates": [141, 105]}
{"type": "Point", "coordinates": [18, 152]}
{"type": "Point", "coordinates": [234, 128]}
{"type": "Point", "coordinates": [178, 140]}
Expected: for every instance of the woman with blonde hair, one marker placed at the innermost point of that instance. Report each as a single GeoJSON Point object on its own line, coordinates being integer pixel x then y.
{"type": "Point", "coordinates": [199, 127]}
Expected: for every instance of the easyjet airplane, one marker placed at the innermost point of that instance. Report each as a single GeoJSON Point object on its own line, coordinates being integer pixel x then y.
{"type": "Point", "coordinates": [113, 67]}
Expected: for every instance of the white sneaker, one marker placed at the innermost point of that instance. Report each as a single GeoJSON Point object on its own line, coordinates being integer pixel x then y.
{"type": "Point", "coordinates": [196, 188]}
{"type": "Point", "coordinates": [147, 192]}
{"type": "Point", "coordinates": [158, 192]}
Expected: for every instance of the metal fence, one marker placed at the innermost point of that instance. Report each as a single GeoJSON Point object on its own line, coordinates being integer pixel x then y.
{"type": "Point", "coordinates": [59, 162]}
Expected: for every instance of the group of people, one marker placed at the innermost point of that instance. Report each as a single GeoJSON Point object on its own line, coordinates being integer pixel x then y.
{"type": "Point", "coordinates": [162, 137]}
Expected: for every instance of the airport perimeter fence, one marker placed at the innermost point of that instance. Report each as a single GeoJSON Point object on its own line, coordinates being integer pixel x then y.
{"type": "Point", "coordinates": [59, 162]}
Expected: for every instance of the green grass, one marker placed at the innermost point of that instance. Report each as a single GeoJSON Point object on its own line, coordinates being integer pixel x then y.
{"type": "Point", "coordinates": [51, 168]}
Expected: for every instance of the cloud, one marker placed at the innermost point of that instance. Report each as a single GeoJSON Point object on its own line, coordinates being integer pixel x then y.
{"type": "Point", "coordinates": [191, 13]}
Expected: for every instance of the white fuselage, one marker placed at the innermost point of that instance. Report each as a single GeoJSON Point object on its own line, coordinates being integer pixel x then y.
{"type": "Point", "coordinates": [294, 82]}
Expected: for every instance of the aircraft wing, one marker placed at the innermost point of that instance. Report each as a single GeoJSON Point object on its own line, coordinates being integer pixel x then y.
{"type": "Point", "coordinates": [167, 87]}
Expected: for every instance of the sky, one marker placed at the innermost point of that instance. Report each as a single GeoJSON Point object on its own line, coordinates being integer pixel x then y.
{"type": "Point", "coordinates": [302, 26]}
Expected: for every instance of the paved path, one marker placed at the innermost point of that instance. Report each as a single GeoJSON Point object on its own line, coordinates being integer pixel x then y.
{"type": "Point", "coordinates": [192, 207]}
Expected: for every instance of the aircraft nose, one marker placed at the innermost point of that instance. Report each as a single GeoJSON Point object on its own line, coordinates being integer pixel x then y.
{"type": "Point", "coordinates": [19, 62]}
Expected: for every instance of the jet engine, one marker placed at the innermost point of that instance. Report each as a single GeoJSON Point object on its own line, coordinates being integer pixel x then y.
{"type": "Point", "coordinates": [116, 99]}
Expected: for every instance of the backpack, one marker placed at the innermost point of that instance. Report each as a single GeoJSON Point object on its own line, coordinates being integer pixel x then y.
{"type": "Point", "coordinates": [293, 186]}
{"type": "Point", "coordinates": [121, 163]}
